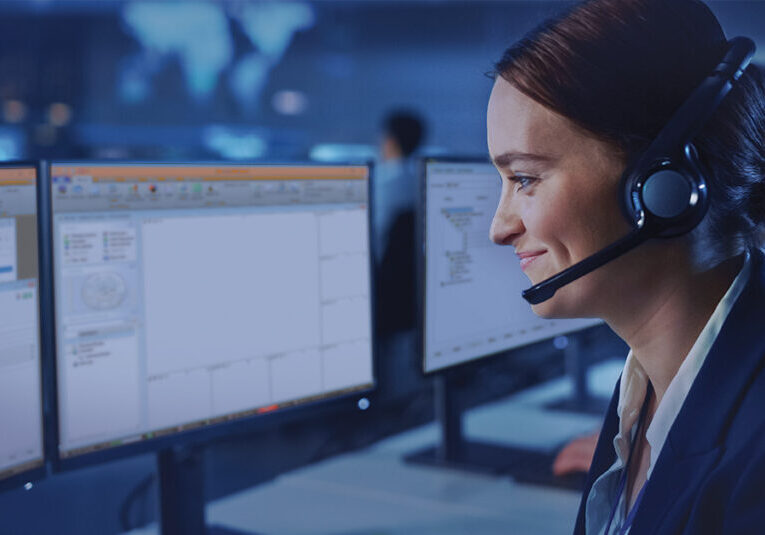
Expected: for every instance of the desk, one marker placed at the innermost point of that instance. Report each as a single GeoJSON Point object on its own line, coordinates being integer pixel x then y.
{"type": "Point", "coordinates": [373, 492]}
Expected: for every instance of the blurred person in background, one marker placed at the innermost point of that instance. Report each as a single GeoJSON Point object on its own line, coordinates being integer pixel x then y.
{"type": "Point", "coordinates": [395, 184]}
{"type": "Point", "coordinates": [396, 173]}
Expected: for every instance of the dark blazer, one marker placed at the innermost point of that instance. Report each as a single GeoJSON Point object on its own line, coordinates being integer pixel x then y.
{"type": "Point", "coordinates": [710, 474]}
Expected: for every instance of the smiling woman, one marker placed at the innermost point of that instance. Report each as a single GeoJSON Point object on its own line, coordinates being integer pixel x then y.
{"type": "Point", "coordinates": [554, 172]}
{"type": "Point", "coordinates": [577, 111]}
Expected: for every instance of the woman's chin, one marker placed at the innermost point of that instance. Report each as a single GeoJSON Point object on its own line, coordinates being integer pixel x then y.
{"type": "Point", "coordinates": [562, 305]}
{"type": "Point", "coordinates": [547, 310]}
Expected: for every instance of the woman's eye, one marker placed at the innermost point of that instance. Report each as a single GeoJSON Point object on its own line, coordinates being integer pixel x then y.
{"type": "Point", "coordinates": [522, 181]}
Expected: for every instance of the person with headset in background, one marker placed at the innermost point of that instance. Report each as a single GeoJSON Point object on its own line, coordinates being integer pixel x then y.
{"type": "Point", "coordinates": [643, 109]}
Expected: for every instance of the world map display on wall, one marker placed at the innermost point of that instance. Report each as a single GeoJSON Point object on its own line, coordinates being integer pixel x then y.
{"type": "Point", "coordinates": [199, 37]}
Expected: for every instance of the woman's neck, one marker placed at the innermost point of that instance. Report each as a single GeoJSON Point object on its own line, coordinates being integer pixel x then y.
{"type": "Point", "coordinates": [665, 319]}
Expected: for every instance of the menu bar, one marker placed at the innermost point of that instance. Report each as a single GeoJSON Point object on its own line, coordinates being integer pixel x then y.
{"type": "Point", "coordinates": [172, 172]}
{"type": "Point", "coordinates": [79, 189]}
{"type": "Point", "coordinates": [18, 176]}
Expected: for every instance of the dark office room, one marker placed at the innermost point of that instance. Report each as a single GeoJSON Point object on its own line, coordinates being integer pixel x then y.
{"type": "Point", "coordinates": [429, 267]}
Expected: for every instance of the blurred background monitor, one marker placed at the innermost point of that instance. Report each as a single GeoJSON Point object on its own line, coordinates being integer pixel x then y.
{"type": "Point", "coordinates": [188, 295]}
{"type": "Point", "coordinates": [472, 287]}
{"type": "Point", "coordinates": [21, 406]}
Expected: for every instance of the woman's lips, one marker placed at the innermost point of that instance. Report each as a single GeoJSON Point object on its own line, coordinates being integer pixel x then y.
{"type": "Point", "coordinates": [528, 258]}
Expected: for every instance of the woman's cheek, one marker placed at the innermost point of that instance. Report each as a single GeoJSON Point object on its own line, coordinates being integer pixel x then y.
{"type": "Point", "coordinates": [548, 219]}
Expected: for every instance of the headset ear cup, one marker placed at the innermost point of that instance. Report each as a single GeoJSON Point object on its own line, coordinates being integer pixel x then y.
{"type": "Point", "coordinates": [674, 197]}
{"type": "Point", "coordinates": [667, 194]}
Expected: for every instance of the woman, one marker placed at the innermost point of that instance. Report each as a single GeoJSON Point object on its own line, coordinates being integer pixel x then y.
{"type": "Point", "coordinates": [574, 104]}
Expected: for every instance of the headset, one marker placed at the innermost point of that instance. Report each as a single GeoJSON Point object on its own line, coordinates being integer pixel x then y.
{"type": "Point", "coordinates": [664, 193]}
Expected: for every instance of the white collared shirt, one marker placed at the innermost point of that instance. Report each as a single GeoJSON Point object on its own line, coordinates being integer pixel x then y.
{"type": "Point", "coordinates": [632, 392]}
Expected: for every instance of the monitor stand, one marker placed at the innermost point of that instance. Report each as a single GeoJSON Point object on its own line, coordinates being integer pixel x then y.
{"type": "Point", "coordinates": [581, 399]}
{"type": "Point", "coordinates": [454, 451]}
{"type": "Point", "coordinates": [181, 493]}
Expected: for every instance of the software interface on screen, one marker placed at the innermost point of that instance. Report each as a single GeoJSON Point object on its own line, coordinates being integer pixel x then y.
{"type": "Point", "coordinates": [192, 295]}
{"type": "Point", "coordinates": [473, 303]}
{"type": "Point", "coordinates": [21, 446]}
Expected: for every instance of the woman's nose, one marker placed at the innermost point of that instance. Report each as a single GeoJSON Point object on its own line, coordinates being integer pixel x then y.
{"type": "Point", "coordinates": [506, 226]}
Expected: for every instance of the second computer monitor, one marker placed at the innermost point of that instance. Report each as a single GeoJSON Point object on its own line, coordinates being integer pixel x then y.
{"type": "Point", "coordinates": [21, 406]}
{"type": "Point", "coordinates": [188, 295]}
{"type": "Point", "coordinates": [472, 287]}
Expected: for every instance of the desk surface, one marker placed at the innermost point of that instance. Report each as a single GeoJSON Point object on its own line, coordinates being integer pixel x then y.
{"type": "Point", "coordinates": [373, 492]}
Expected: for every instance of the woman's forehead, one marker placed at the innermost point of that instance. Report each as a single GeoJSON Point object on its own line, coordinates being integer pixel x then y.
{"type": "Point", "coordinates": [517, 123]}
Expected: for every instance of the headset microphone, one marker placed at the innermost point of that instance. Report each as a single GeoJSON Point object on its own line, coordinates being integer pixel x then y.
{"type": "Point", "coordinates": [664, 194]}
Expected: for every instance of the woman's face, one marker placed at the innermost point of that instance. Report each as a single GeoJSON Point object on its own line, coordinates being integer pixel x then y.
{"type": "Point", "coordinates": [559, 201]}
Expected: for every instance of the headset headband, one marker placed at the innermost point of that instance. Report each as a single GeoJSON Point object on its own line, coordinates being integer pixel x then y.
{"type": "Point", "coordinates": [698, 108]}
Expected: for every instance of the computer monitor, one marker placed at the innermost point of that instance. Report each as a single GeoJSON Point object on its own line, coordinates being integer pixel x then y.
{"type": "Point", "coordinates": [189, 295]}
{"type": "Point", "coordinates": [472, 287]}
{"type": "Point", "coordinates": [21, 405]}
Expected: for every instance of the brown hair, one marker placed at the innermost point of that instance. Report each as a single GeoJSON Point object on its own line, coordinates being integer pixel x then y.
{"type": "Point", "coordinates": [619, 69]}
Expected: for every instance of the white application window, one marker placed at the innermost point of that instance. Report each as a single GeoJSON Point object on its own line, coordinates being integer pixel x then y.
{"type": "Point", "coordinates": [296, 375]}
{"type": "Point", "coordinates": [18, 324]}
{"type": "Point", "coordinates": [186, 311]}
{"type": "Point", "coordinates": [240, 386]}
{"type": "Point", "coordinates": [20, 404]}
{"type": "Point", "coordinates": [346, 365]}
{"type": "Point", "coordinates": [179, 398]}
{"type": "Point", "coordinates": [8, 260]}
{"type": "Point", "coordinates": [102, 390]}
{"type": "Point", "coordinates": [99, 326]}
{"type": "Point", "coordinates": [234, 287]}
{"type": "Point", "coordinates": [345, 298]}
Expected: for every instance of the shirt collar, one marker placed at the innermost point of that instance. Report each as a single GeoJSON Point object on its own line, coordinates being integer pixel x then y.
{"type": "Point", "coordinates": [634, 383]}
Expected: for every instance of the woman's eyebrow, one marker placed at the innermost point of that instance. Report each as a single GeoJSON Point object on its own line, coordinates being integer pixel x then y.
{"type": "Point", "coordinates": [506, 159]}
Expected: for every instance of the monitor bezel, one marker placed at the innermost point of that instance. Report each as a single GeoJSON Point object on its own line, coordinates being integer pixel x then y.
{"type": "Point", "coordinates": [240, 427]}
{"type": "Point", "coordinates": [466, 366]}
{"type": "Point", "coordinates": [38, 472]}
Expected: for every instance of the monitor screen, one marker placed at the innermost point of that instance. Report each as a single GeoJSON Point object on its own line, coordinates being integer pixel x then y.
{"type": "Point", "coordinates": [193, 294]}
{"type": "Point", "coordinates": [21, 421]}
{"type": "Point", "coordinates": [472, 287]}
